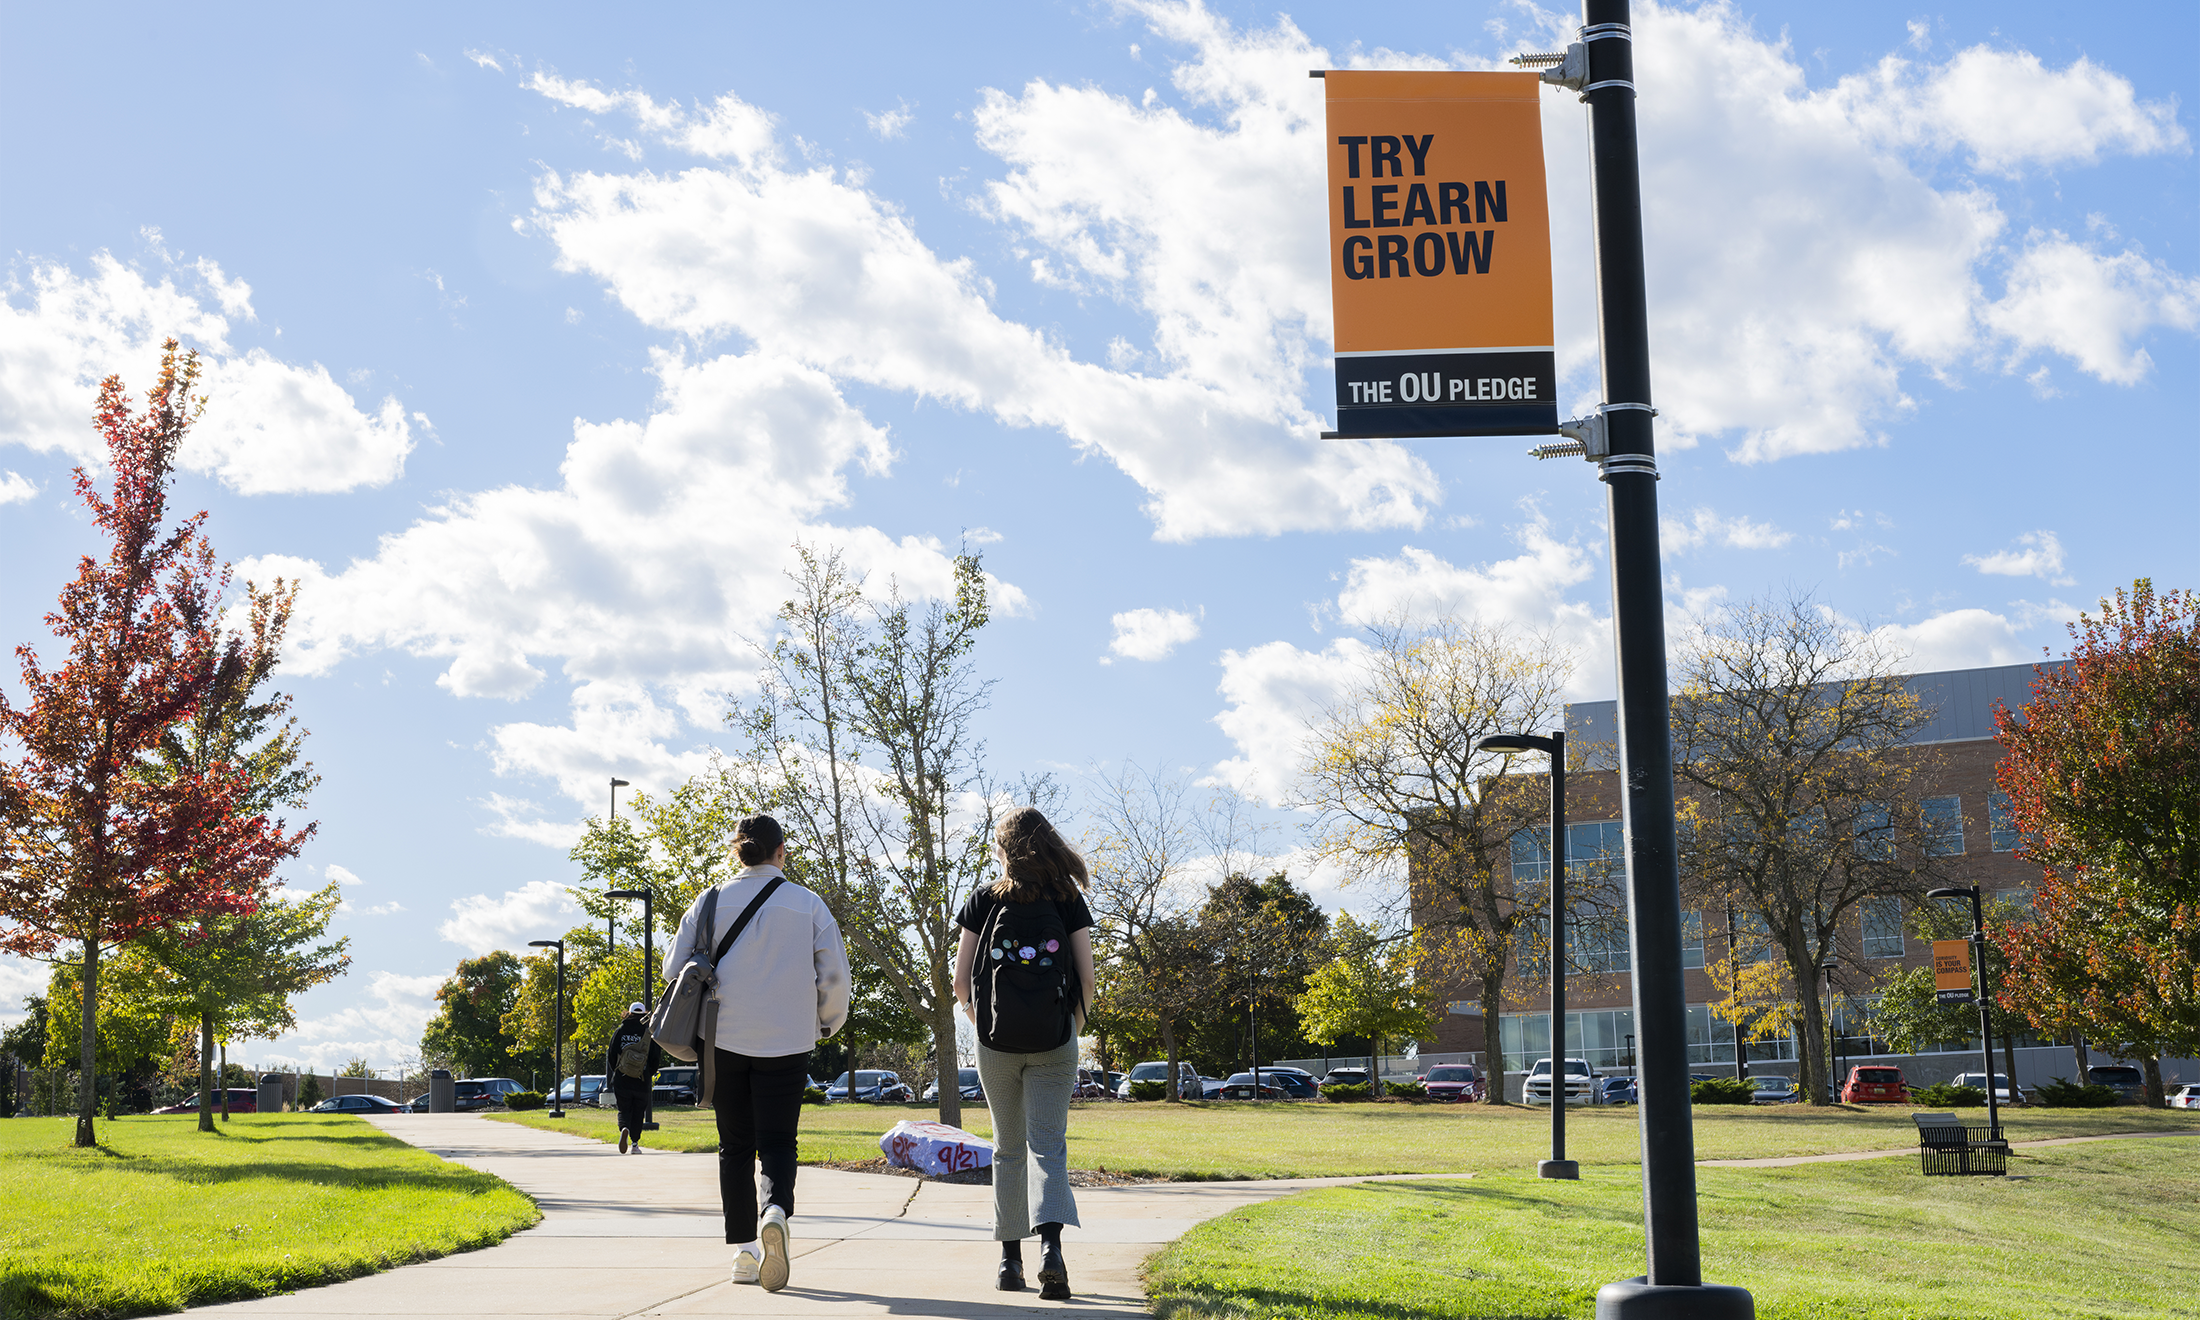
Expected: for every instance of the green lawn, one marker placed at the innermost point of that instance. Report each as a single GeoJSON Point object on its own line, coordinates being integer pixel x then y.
{"type": "Point", "coordinates": [1224, 1140]}
{"type": "Point", "coordinates": [2107, 1229]}
{"type": "Point", "coordinates": [160, 1216]}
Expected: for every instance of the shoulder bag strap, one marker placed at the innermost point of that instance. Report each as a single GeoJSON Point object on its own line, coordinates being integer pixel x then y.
{"type": "Point", "coordinates": [743, 922]}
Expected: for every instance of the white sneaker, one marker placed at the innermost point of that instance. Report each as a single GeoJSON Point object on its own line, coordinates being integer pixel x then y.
{"type": "Point", "coordinates": [746, 1268]}
{"type": "Point", "coordinates": [773, 1234]}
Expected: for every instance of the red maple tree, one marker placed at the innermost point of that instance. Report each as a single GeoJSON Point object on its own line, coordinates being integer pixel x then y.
{"type": "Point", "coordinates": [95, 849]}
{"type": "Point", "coordinates": [2102, 772]}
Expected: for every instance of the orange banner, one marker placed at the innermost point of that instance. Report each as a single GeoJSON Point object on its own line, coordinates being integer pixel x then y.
{"type": "Point", "coordinates": [1440, 254]}
{"type": "Point", "coordinates": [1952, 971]}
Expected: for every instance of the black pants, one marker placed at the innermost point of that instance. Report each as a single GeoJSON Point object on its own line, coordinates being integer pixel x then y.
{"type": "Point", "coordinates": [633, 1110]}
{"type": "Point", "coordinates": [759, 1104]}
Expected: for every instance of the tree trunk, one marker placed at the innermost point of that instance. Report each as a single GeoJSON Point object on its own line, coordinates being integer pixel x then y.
{"type": "Point", "coordinates": [2078, 1051]}
{"type": "Point", "coordinates": [2009, 1059]}
{"type": "Point", "coordinates": [2152, 1066]}
{"type": "Point", "coordinates": [1168, 1047]}
{"type": "Point", "coordinates": [206, 1072]}
{"type": "Point", "coordinates": [88, 1051]}
{"type": "Point", "coordinates": [221, 1083]}
{"type": "Point", "coordinates": [1810, 1061]}
{"type": "Point", "coordinates": [1493, 1045]}
{"type": "Point", "coordinates": [950, 1071]}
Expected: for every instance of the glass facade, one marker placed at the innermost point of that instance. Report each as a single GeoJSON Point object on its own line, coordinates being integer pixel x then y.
{"type": "Point", "coordinates": [1875, 832]}
{"type": "Point", "coordinates": [1882, 921]}
{"type": "Point", "coordinates": [1600, 1035]}
{"type": "Point", "coordinates": [1596, 873]}
{"type": "Point", "coordinates": [2001, 822]}
{"type": "Point", "coordinates": [1943, 826]}
{"type": "Point", "coordinates": [1692, 939]}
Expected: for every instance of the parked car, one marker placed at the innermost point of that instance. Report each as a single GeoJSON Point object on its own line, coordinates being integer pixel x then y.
{"type": "Point", "coordinates": [1188, 1085]}
{"type": "Point", "coordinates": [1619, 1091]}
{"type": "Point", "coordinates": [1773, 1089]}
{"type": "Point", "coordinates": [1453, 1081]}
{"type": "Point", "coordinates": [2124, 1079]}
{"type": "Point", "coordinates": [474, 1094]}
{"type": "Point", "coordinates": [1210, 1088]}
{"type": "Point", "coordinates": [966, 1081]}
{"type": "Point", "coordinates": [1581, 1084]}
{"type": "Point", "coordinates": [2004, 1092]}
{"type": "Point", "coordinates": [1242, 1086]}
{"type": "Point", "coordinates": [419, 1104]}
{"type": "Point", "coordinates": [1875, 1084]}
{"type": "Point", "coordinates": [580, 1090]}
{"type": "Point", "coordinates": [676, 1085]}
{"type": "Point", "coordinates": [1092, 1085]}
{"type": "Point", "coordinates": [1347, 1077]}
{"type": "Point", "coordinates": [242, 1100]}
{"type": "Point", "coordinates": [357, 1104]}
{"type": "Point", "coordinates": [1297, 1085]}
{"type": "Point", "coordinates": [2185, 1097]}
{"type": "Point", "coordinates": [874, 1086]}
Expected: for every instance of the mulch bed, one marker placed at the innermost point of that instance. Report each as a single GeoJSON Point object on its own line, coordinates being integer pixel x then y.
{"type": "Point", "coordinates": [981, 1177]}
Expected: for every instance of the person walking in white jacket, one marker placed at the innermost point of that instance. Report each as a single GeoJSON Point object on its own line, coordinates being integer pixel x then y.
{"type": "Point", "coordinates": [782, 987]}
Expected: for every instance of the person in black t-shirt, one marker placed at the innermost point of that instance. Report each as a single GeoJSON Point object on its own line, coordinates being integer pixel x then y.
{"type": "Point", "coordinates": [1026, 991]}
{"type": "Point", "coordinates": [632, 1093]}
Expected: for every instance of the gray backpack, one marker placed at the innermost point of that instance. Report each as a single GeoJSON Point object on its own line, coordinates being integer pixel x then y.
{"type": "Point", "coordinates": [686, 1019]}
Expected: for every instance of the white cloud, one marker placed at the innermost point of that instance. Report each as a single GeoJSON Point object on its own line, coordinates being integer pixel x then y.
{"type": "Point", "coordinates": [270, 426]}
{"type": "Point", "coordinates": [481, 924]}
{"type": "Point", "coordinates": [1273, 690]}
{"type": "Point", "coordinates": [19, 978]}
{"type": "Point", "coordinates": [814, 266]}
{"type": "Point", "coordinates": [1151, 634]}
{"type": "Point", "coordinates": [2070, 298]}
{"type": "Point", "coordinates": [893, 123]}
{"type": "Point", "coordinates": [16, 489]}
{"type": "Point", "coordinates": [381, 1024]}
{"type": "Point", "coordinates": [2041, 556]}
{"type": "Point", "coordinates": [1958, 639]}
{"type": "Point", "coordinates": [342, 875]}
{"type": "Point", "coordinates": [1706, 528]}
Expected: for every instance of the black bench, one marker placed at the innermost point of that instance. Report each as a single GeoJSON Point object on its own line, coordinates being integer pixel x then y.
{"type": "Point", "coordinates": [1948, 1147]}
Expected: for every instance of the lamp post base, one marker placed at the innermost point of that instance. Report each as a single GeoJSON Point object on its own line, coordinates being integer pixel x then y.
{"type": "Point", "coordinates": [1567, 1169]}
{"type": "Point", "coordinates": [1639, 1299]}
{"type": "Point", "coordinates": [555, 1113]}
{"type": "Point", "coordinates": [649, 1125]}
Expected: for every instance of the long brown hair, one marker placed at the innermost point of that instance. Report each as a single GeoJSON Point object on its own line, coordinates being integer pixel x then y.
{"type": "Point", "coordinates": [1036, 861]}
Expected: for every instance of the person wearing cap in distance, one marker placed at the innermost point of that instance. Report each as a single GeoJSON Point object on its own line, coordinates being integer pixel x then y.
{"type": "Point", "coordinates": [782, 987]}
{"type": "Point", "coordinates": [632, 1093]}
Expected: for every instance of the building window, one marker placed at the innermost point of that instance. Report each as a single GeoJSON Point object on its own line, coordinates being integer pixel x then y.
{"type": "Point", "coordinates": [1882, 927]}
{"type": "Point", "coordinates": [1602, 1036]}
{"type": "Point", "coordinates": [1596, 872]}
{"type": "Point", "coordinates": [1692, 940]}
{"type": "Point", "coordinates": [2001, 822]}
{"type": "Point", "coordinates": [1943, 818]}
{"type": "Point", "coordinates": [1752, 937]}
{"type": "Point", "coordinates": [1875, 832]}
{"type": "Point", "coordinates": [1711, 1040]}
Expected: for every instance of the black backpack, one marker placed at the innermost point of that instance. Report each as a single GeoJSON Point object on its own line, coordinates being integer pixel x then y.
{"type": "Point", "coordinates": [1025, 980]}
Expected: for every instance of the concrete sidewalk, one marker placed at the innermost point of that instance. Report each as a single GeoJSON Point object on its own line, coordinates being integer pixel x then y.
{"type": "Point", "coordinates": [642, 1235]}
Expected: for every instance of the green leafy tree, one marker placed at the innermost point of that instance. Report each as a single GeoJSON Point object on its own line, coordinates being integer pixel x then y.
{"type": "Point", "coordinates": [2102, 772]}
{"type": "Point", "coordinates": [1268, 936]}
{"type": "Point", "coordinates": [530, 1024]}
{"type": "Point", "coordinates": [467, 1033]}
{"type": "Point", "coordinates": [671, 847]}
{"type": "Point", "coordinates": [1365, 989]}
{"type": "Point", "coordinates": [131, 1041]}
{"type": "Point", "coordinates": [234, 977]}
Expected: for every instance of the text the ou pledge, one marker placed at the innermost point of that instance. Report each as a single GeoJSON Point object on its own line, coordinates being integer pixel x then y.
{"type": "Point", "coordinates": [1440, 234]}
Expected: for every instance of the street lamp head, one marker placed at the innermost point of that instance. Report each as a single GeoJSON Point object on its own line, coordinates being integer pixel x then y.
{"type": "Point", "coordinates": [546, 944]}
{"type": "Point", "coordinates": [1515, 742]}
{"type": "Point", "coordinates": [617, 782]}
{"type": "Point", "coordinates": [626, 893]}
{"type": "Point", "coordinates": [1952, 891]}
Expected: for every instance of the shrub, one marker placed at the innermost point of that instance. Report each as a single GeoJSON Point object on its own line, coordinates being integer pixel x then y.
{"type": "Point", "coordinates": [1722, 1091]}
{"type": "Point", "coordinates": [1405, 1090]}
{"type": "Point", "coordinates": [1149, 1090]}
{"type": "Point", "coordinates": [523, 1100]}
{"type": "Point", "coordinates": [813, 1095]}
{"type": "Point", "coordinates": [309, 1092]}
{"type": "Point", "coordinates": [2062, 1093]}
{"type": "Point", "coordinates": [1348, 1091]}
{"type": "Point", "coordinates": [1941, 1095]}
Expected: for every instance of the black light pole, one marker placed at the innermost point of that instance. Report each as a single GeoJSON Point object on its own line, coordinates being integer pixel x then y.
{"type": "Point", "coordinates": [1833, 1034]}
{"type": "Point", "coordinates": [1978, 970]}
{"type": "Point", "coordinates": [1734, 960]}
{"type": "Point", "coordinates": [1673, 1284]}
{"type": "Point", "coordinates": [649, 1001]}
{"type": "Point", "coordinates": [557, 1037]}
{"type": "Point", "coordinates": [1558, 1166]}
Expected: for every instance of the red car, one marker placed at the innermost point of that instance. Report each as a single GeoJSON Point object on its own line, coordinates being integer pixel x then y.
{"type": "Point", "coordinates": [242, 1100]}
{"type": "Point", "coordinates": [1875, 1084]}
{"type": "Point", "coordinates": [1453, 1081]}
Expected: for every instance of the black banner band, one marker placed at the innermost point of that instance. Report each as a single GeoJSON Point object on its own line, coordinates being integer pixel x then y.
{"type": "Point", "coordinates": [1505, 392]}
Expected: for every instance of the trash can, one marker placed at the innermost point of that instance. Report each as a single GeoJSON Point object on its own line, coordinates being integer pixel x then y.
{"type": "Point", "coordinates": [441, 1094]}
{"type": "Point", "coordinates": [271, 1093]}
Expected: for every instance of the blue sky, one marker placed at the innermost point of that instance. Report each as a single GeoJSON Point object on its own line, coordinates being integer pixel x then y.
{"type": "Point", "coordinates": [539, 333]}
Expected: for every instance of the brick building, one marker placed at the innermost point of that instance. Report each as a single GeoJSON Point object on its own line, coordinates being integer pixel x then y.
{"type": "Point", "coordinates": [1970, 826]}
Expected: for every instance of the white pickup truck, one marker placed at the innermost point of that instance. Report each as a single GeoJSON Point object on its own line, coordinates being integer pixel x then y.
{"type": "Point", "coordinates": [1581, 1084]}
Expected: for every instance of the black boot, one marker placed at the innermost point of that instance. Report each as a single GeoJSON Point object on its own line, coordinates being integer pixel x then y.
{"type": "Point", "coordinates": [1012, 1268]}
{"type": "Point", "coordinates": [1053, 1274]}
